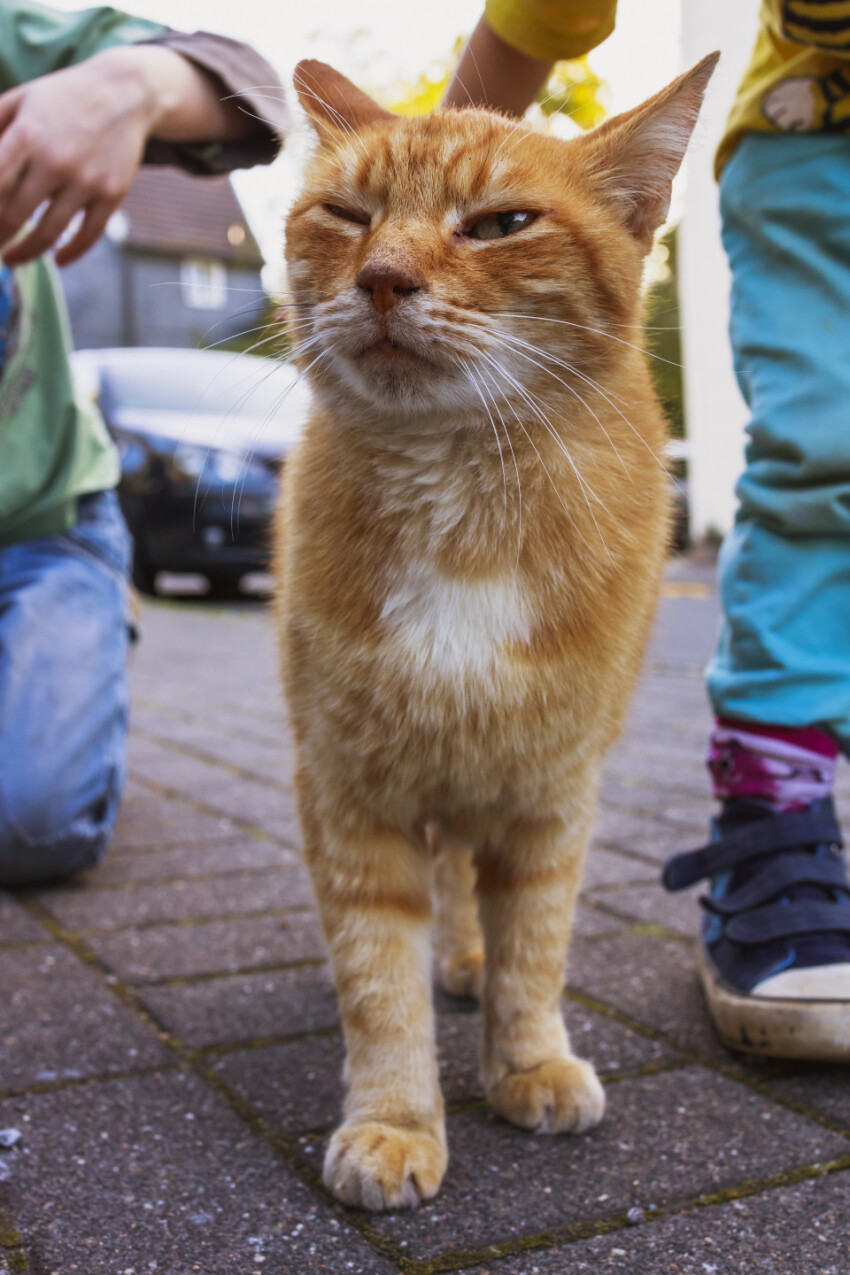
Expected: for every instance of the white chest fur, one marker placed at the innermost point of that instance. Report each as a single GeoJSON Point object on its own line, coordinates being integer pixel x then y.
{"type": "Point", "coordinates": [454, 627]}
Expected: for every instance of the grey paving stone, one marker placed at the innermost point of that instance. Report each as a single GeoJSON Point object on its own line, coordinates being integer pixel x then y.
{"type": "Point", "coordinates": [57, 1022]}
{"type": "Point", "coordinates": [799, 1230]}
{"type": "Point", "coordinates": [651, 980]}
{"type": "Point", "coordinates": [16, 925]}
{"type": "Point", "coordinates": [294, 1087]}
{"type": "Point", "coordinates": [298, 1086]}
{"type": "Point", "coordinates": [80, 908]}
{"type": "Point", "coordinates": [246, 1007]}
{"type": "Point", "coordinates": [651, 903]}
{"type": "Point", "coordinates": [668, 805]}
{"type": "Point", "coordinates": [157, 1174]}
{"type": "Point", "coordinates": [148, 819]}
{"type": "Point", "coordinates": [235, 797]}
{"type": "Point", "coordinates": [606, 867]}
{"type": "Point", "coordinates": [121, 867]}
{"type": "Point", "coordinates": [665, 1138]}
{"type": "Point", "coordinates": [822, 1089]}
{"type": "Point", "coordinates": [590, 924]}
{"type": "Point", "coordinates": [645, 833]}
{"type": "Point", "coordinates": [270, 760]}
{"type": "Point", "coordinates": [210, 947]}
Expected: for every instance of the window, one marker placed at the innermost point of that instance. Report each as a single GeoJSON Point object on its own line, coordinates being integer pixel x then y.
{"type": "Point", "coordinates": [203, 283]}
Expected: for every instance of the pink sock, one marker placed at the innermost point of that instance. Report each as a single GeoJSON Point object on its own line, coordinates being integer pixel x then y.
{"type": "Point", "coordinates": [786, 767]}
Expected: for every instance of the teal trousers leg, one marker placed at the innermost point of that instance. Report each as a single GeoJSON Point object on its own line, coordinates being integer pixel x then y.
{"type": "Point", "coordinates": [783, 655]}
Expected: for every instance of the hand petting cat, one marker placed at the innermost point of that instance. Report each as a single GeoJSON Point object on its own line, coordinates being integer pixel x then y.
{"type": "Point", "coordinates": [73, 141]}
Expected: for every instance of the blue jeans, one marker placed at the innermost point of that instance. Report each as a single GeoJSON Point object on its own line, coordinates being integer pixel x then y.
{"type": "Point", "coordinates": [784, 651]}
{"type": "Point", "coordinates": [63, 694]}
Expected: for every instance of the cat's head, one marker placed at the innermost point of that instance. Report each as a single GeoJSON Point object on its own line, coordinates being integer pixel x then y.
{"type": "Point", "coordinates": [452, 261]}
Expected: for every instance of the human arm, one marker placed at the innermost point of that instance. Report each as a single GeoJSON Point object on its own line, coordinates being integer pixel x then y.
{"type": "Point", "coordinates": [510, 54]}
{"type": "Point", "coordinates": [93, 94]}
{"type": "Point", "coordinates": [493, 74]}
{"type": "Point", "coordinates": [84, 159]}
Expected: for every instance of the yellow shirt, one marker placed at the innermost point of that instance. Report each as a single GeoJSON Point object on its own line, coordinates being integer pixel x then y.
{"type": "Point", "coordinates": [798, 80]}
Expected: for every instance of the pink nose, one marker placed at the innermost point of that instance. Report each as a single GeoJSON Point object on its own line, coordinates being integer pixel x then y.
{"type": "Point", "coordinates": [387, 285]}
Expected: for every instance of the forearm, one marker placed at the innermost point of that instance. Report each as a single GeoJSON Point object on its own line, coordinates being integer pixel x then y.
{"type": "Point", "coordinates": [178, 101]}
{"type": "Point", "coordinates": [493, 74]}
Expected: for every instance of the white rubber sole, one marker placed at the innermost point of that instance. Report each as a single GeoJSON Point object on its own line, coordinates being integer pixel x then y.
{"type": "Point", "coordinates": [776, 1027]}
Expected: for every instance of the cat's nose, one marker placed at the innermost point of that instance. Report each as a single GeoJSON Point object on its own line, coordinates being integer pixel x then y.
{"type": "Point", "coordinates": [387, 285]}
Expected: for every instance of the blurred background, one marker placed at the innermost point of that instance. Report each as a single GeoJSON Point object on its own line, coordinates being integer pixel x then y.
{"type": "Point", "coordinates": [175, 272]}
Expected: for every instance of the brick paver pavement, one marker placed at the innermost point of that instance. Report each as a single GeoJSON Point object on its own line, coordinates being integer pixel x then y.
{"type": "Point", "coordinates": [170, 1049]}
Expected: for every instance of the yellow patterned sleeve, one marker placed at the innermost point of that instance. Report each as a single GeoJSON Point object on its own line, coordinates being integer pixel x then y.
{"type": "Point", "coordinates": [551, 30]}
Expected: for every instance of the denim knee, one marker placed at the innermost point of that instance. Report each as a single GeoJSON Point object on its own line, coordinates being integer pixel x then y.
{"type": "Point", "coordinates": [44, 836]}
{"type": "Point", "coordinates": [63, 695]}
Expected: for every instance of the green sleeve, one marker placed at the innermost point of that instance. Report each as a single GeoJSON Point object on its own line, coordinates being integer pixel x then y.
{"type": "Point", "coordinates": [35, 39]}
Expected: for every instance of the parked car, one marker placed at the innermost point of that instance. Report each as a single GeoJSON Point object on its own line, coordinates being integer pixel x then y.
{"type": "Point", "coordinates": [203, 436]}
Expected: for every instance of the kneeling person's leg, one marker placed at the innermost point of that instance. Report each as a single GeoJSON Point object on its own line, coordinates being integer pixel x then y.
{"type": "Point", "coordinates": [63, 696]}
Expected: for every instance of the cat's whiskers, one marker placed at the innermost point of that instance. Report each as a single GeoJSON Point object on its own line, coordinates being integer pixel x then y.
{"type": "Point", "coordinates": [515, 343]}
{"type": "Point", "coordinates": [516, 467]}
{"type": "Point", "coordinates": [543, 318]}
{"type": "Point", "coordinates": [257, 433]}
{"type": "Point", "coordinates": [533, 403]}
{"type": "Point", "coordinates": [553, 485]}
{"type": "Point", "coordinates": [594, 385]}
{"type": "Point", "coordinates": [471, 377]}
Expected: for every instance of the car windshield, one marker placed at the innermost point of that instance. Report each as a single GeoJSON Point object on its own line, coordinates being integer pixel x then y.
{"type": "Point", "coordinates": [224, 386]}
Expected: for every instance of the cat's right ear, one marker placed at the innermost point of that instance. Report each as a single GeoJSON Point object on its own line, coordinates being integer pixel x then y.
{"type": "Point", "coordinates": [332, 102]}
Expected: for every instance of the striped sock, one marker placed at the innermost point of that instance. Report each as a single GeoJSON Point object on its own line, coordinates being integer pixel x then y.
{"type": "Point", "coordinates": [786, 768]}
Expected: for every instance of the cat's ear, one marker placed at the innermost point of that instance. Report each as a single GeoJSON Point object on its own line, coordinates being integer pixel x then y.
{"type": "Point", "coordinates": [634, 157]}
{"type": "Point", "coordinates": [332, 101]}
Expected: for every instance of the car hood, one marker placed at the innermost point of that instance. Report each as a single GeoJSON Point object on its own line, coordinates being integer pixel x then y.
{"type": "Point", "coordinates": [263, 437]}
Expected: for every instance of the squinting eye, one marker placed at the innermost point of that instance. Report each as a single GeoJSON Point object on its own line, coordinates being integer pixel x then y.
{"type": "Point", "coordinates": [347, 214]}
{"type": "Point", "coordinates": [498, 225]}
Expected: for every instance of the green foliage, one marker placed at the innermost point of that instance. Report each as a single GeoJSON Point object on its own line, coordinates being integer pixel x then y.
{"type": "Point", "coordinates": [572, 89]}
{"type": "Point", "coordinates": [575, 90]}
{"type": "Point", "coordinates": [663, 336]}
{"type": "Point", "coordinates": [424, 94]}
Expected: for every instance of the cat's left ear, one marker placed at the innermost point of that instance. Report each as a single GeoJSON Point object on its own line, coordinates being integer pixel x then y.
{"type": "Point", "coordinates": [332, 101]}
{"type": "Point", "coordinates": [634, 157]}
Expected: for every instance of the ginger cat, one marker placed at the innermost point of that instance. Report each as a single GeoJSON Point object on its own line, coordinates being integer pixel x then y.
{"type": "Point", "coordinates": [469, 550]}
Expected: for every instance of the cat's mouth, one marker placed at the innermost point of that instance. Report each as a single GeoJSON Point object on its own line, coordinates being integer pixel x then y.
{"type": "Point", "coordinates": [387, 348]}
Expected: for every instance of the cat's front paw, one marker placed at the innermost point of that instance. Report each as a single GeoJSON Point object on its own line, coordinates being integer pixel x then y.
{"type": "Point", "coordinates": [462, 973]}
{"type": "Point", "coordinates": [379, 1166]}
{"type": "Point", "coordinates": [558, 1096]}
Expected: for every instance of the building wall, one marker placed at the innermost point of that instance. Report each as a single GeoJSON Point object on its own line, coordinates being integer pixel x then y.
{"type": "Point", "coordinates": [161, 315]}
{"type": "Point", "coordinates": [92, 288]}
{"type": "Point", "coordinates": [120, 298]}
{"type": "Point", "coordinates": [714, 410]}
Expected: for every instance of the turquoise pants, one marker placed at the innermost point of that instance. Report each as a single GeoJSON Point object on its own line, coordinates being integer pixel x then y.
{"type": "Point", "coordinates": [783, 657]}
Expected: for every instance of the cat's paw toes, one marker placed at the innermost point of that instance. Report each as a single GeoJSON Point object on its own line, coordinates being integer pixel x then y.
{"type": "Point", "coordinates": [378, 1166]}
{"type": "Point", "coordinates": [462, 973]}
{"type": "Point", "coordinates": [559, 1096]}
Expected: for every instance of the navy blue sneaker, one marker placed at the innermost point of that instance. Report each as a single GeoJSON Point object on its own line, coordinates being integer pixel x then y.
{"type": "Point", "coordinates": [774, 955]}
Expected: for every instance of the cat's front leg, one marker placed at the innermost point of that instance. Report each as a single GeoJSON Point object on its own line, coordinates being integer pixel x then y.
{"type": "Point", "coordinates": [527, 886]}
{"type": "Point", "coordinates": [373, 891]}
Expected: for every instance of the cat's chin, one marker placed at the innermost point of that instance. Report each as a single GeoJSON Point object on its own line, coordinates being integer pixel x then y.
{"type": "Point", "coordinates": [399, 382]}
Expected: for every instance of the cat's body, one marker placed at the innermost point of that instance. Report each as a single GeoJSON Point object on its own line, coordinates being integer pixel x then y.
{"type": "Point", "coordinates": [470, 544]}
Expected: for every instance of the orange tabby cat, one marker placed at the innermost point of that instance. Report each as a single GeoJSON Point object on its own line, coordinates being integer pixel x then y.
{"type": "Point", "coordinates": [469, 549]}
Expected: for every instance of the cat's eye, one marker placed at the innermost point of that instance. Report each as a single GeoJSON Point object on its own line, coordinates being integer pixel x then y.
{"type": "Point", "coordinates": [500, 224]}
{"type": "Point", "coordinates": [348, 214]}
